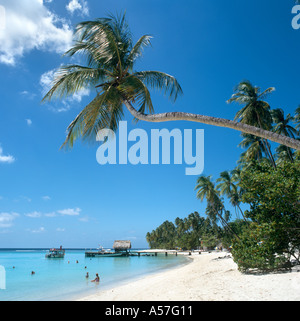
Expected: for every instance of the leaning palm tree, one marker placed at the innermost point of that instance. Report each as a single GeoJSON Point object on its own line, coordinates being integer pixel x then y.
{"type": "Point", "coordinates": [205, 188]}
{"type": "Point", "coordinates": [256, 111]}
{"type": "Point", "coordinates": [228, 187]}
{"type": "Point", "coordinates": [110, 58]}
{"type": "Point", "coordinates": [215, 207]}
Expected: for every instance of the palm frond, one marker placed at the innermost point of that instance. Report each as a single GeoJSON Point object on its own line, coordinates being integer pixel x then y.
{"type": "Point", "coordinates": [239, 98]}
{"type": "Point", "coordinates": [102, 112]}
{"type": "Point", "coordinates": [95, 55]}
{"type": "Point", "coordinates": [162, 82]}
{"type": "Point", "coordinates": [102, 40]}
{"type": "Point", "coordinates": [138, 48]}
{"type": "Point", "coordinates": [121, 31]}
{"type": "Point", "coordinates": [136, 91]}
{"type": "Point", "coordinates": [70, 79]}
{"type": "Point", "coordinates": [266, 92]}
{"type": "Point", "coordinates": [83, 120]}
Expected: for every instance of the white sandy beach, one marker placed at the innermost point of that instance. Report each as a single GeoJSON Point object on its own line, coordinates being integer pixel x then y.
{"type": "Point", "coordinates": [207, 278]}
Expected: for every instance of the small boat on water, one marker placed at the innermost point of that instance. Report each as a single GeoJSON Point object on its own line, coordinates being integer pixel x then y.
{"type": "Point", "coordinates": [56, 253]}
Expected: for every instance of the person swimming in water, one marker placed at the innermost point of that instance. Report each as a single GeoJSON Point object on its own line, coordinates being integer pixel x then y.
{"type": "Point", "coordinates": [97, 279]}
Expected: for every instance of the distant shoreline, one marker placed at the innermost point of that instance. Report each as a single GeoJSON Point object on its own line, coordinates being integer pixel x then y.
{"type": "Point", "coordinates": [209, 277]}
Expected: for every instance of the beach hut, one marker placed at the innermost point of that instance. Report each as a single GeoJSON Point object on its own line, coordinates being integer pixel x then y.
{"type": "Point", "coordinates": [122, 246]}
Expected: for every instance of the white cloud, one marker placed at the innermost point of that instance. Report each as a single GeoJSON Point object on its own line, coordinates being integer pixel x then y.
{"type": "Point", "coordinates": [27, 94]}
{"type": "Point", "coordinates": [39, 230]}
{"type": "Point", "coordinates": [84, 219]}
{"type": "Point", "coordinates": [78, 5]}
{"type": "Point", "coordinates": [52, 214]}
{"type": "Point", "coordinates": [70, 211]}
{"type": "Point", "coordinates": [60, 229]}
{"type": "Point", "coordinates": [6, 158]}
{"type": "Point", "coordinates": [23, 198]}
{"type": "Point", "coordinates": [34, 214]}
{"type": "Point", "coordinates": [30, 25]}
{"type": "Point", "coordinates": [46, 198]}
{"type": "Point", "coordinates": [6, 219]}
{"type": "Point", "coordinates": [46, 82]}
{"type": "Point", "coordinates": [29, 122]}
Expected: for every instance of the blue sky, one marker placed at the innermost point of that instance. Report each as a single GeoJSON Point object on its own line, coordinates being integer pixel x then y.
{"type": "Point", "coordinates": [49, 196]}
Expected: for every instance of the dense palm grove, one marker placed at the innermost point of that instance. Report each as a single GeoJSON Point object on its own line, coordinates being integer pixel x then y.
{"type": "Point", "coordinates": [266, 236]}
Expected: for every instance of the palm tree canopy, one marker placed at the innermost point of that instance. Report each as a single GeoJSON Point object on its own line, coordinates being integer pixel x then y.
{"type": "Point", "coordinates": [110, 55]}
{"type": "Point", "coordinates": [254, 145]}
{"type": "Point", "coordinates": [256, 111]}
{"type": "Point", "coordinates": [205, 188]}
{"type": "Point", "coordinates": [282, 126]}
{"type": "Point", "coordinates": [226, 184]}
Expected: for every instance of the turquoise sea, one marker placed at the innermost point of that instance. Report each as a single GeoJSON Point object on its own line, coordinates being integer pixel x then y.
{"type": "Point", "coordinates": [64, 279]}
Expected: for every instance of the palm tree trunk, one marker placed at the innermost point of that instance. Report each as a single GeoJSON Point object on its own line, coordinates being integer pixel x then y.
{"type": "Point", "coordinates": [266, 144]}
{"type": "Point", "coordinates": [290, 155]}
{"type": "Point", "coordinates": [220, 122]}
{"type": "Point", "coordinates": [242, 214]}
{"type": "Point", "coordinates": [269, 153]}
{"type": "Point", "coordinates": [226, 226]}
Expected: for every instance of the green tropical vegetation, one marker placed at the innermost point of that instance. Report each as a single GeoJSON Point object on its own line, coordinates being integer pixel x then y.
{"type": "Point", "coordinates": [266, 236]}
{"type": "Point", "coordinates": [189, 233]}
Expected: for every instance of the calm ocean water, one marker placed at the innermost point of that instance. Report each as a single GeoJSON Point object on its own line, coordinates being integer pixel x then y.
{"type": "Point", "coordinates": [64, 279]}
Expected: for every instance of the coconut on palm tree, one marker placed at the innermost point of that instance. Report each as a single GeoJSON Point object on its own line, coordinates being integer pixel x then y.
{"type": "Point", "coordinates": [110, 55]}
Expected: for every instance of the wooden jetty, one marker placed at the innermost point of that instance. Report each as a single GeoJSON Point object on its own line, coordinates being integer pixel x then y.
{"type": "Point", "coordinates": [123, 249]}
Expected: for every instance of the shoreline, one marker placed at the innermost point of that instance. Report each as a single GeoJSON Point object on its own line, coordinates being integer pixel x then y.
{"type": "Point", "coordinates": [207, 277]}
{"type": "Point", "coordinates": [139, 277]}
